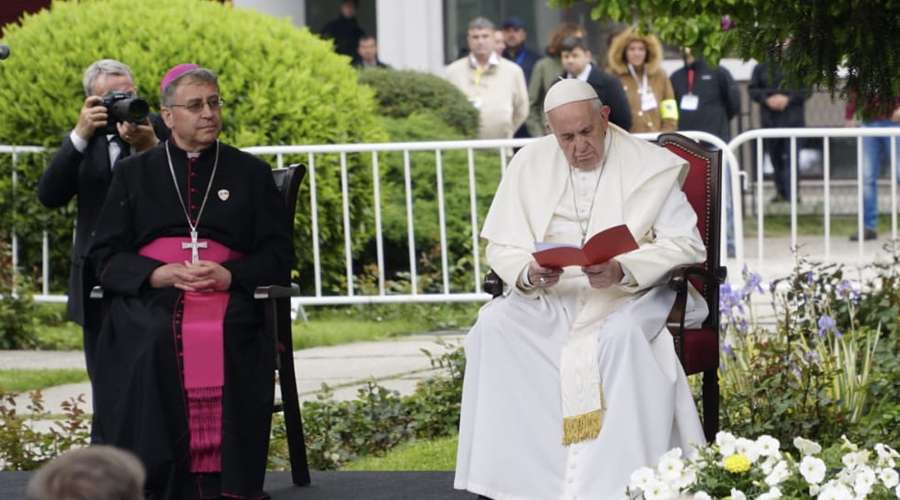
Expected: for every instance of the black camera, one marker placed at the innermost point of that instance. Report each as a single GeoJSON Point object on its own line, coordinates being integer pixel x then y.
{"type": "Point", "coordinates": [123, 107]}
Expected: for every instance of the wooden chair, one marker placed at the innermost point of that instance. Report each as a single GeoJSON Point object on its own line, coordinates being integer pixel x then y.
{"type": "Point", "coordinates": [278, 325]}
{"type": "Point", "coordinates": [698, 349]}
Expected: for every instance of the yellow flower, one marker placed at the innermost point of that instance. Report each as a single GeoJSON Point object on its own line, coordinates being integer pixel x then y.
{"type": "Point", "coordinates": [737, 463]}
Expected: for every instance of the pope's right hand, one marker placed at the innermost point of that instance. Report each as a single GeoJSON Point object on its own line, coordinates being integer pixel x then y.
{"type": "Point", "coordinates": [93, 116]}
{"type": "Point", "coordinates": [543, 277]}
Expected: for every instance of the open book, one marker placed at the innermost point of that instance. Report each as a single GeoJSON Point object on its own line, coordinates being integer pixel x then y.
{"type": "Point", "coordinates": [600, 248]}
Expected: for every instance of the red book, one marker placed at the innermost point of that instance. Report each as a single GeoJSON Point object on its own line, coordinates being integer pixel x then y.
{"type": "Point", "coordinates": [600, 248]}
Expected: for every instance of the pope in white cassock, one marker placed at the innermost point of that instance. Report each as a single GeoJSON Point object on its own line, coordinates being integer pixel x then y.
{"type": "Point", "coordinates": [572, 381]}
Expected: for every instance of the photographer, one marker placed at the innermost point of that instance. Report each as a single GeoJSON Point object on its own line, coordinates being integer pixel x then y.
{"type": "Point", "coordinates": [83, 166]}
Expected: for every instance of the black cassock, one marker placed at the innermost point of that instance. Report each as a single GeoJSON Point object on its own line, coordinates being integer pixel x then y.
{"type": "Point", "coordinates": [139, 396]}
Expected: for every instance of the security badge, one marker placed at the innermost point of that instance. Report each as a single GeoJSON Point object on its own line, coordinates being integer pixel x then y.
{"type": "Point", "coordinates": [224, 194]}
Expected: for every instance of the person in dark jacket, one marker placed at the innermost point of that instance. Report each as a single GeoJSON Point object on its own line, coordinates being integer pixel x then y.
{"type": "Point", "coordinates": [708, 98]}
{"type": "Point", "coordinates": [344, 30]}
{"type": "Point", "coordinates": [576, 59]}
{"type": "Point", "coordinates": [82, 167]}
{"type": "Point", "coordinates": [514, 37]}
{"type": "Point", "coordinates": [367, 54]}
{"type": "Point", "coordinates": [778, 108]}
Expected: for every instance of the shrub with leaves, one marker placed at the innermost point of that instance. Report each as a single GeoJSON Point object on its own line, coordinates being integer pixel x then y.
{"type": "Point", "coordinates": [404, 93]}
{"type": "Point", "coordinates": [17, 309]}
{"type": "Point", "coordinates": [282, 85]}
{"type": "Point", "coordinates": [24, 448]}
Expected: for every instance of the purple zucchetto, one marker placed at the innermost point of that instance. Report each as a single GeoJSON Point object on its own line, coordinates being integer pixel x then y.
{"type": "Point", "coordinates": [174, 73]}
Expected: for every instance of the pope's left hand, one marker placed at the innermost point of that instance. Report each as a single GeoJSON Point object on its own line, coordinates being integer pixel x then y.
{"type": "Point", "coordinates": [604, 275]}
{"type": "Point", "coordinates": [208, 276]}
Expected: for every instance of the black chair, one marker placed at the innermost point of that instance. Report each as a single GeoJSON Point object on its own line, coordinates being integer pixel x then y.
{"type": "Point", "coordinates": [278, 324]}
{"type": "Point", "coordinates": [697, 349]}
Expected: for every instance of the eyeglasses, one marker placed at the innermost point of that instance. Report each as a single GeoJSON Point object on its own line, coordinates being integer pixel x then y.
{"type": "Point", "coordinates": [196, 106]}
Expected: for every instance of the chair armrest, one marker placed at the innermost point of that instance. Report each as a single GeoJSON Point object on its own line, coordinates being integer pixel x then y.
{"type": "Point", "coordinates": [276, 292]}
{"type": "Point", "coordinates": [492, 284]}
{"type": "Point", "coordinates": [97, 292]}
{"type": "Point", "coordinates": [678, 276]}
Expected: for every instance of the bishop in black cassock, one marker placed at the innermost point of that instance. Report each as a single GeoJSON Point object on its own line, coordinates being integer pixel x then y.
{"type": "Point", "coordinates": [184, 374]}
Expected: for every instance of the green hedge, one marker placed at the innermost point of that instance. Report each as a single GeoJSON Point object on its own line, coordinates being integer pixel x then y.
{"type": "Point", "coordinates": [283, 85]}
{"type": "Point", "coordinates": [404, 93]}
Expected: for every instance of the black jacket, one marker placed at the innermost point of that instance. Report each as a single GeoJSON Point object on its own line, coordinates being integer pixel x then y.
{"type": "Point", "coordinates": [719, 99]}
{"type": "Point", "coordinates": [87, 175]}
{"type": "Point", "coordinates": [526, 58]}
{"type": "Point", "coordinates": [764, 83]}
{"type": "Point", "coordinates": [609, 90]}
{"type": "Point", "coordinates": [345, 32]}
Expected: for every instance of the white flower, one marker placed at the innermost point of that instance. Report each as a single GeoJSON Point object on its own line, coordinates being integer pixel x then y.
{"type": "Point", "coordinates": [806, 446]}
{"type": "Point", "coordinates": [812, 469]}
{"type": "Point", "coordinates": [673, 453]}
{"type": "Point", "coordinates": [670, 469]}
{"type": "Point", "coordinates": [886, 455]}
{"type": "Point", "coordinates": [835, 491]}
{"type": "Point", "coordinates": [641, 478]}
{"type": "Point", "coordinates": [737, 494]}
{"type": "Point", "coordinates": [864, 481]}
{"type": "Point", "coordinates": [855, 459]}
{"type": "Point", "coordinates": [725, 441]}
{"type": "Point", "coordinates": [747, 448]}
{"type": "Point", "coordinates": [770, 495]}
{"type": "Point", "coordinates": [702, 495]}
{"type": "Point", "coordinates": [767, 445]}
{"type": "Point", "coordinates": [814, 489]}
{"type": "Point", "coordinates": [769, 463]}
{"type": "Point", "coordinates": [847, 443]}
{"type": "Point", "coordinates": [688, 477]}
{"type": "Point", "coordinates": [658, 490]}
{"type": "Point", "coordinates": [779, 473]}
{"type": "Point", "coordinates": [897, 491]}
{"type": "Point", "coordinates": [889, 477]}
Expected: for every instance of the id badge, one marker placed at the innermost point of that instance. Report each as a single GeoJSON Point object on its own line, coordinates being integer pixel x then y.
{"type": "Point", "coordinates": [689, 102]}
{"type": "Point", "coordinates": [648, 101]}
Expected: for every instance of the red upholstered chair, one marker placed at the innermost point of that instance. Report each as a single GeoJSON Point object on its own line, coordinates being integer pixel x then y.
{"type": "Point", "coordinates": [698, 349]}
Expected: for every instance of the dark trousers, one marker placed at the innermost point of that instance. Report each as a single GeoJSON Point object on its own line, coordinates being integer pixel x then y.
{"type": "Point", "coordinates": [780, 154]}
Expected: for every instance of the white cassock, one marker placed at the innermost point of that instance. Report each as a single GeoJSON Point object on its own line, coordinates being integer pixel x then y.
{"type": "Point", "coordinates": [520, 379]}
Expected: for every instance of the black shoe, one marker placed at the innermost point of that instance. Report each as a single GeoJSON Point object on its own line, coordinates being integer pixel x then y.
{"type": "Point", "coordinates": [868, 235]}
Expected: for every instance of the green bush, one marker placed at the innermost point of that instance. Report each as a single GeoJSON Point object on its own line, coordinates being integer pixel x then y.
{"type": "Point", "coordinates": [282, 85]}
{"type": "Point", "coordinates": [404, 93]}
{"type": "Point", "coordinates": [17, 310]}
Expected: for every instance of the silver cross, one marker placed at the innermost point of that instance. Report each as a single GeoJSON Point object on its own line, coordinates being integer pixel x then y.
{"type": "Point", "coordinates": [195, 247]}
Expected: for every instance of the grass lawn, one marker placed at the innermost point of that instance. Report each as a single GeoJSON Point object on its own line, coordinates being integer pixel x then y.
{"type": "Point", "coordinates": [29, 380]}
{"type": "Point", "coordinates": [326, 326]}
{"type": "Point", "coordinates": [811, 224]}
{"type": "Point", "coordinates": [436, 455]}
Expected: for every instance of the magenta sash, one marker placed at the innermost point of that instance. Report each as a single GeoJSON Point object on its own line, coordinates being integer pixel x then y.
{"type": "Point", "coordinates": [203, 352]}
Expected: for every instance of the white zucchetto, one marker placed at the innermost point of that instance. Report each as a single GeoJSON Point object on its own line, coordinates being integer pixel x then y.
{"type": "Point", "coordinates": [566, 91]}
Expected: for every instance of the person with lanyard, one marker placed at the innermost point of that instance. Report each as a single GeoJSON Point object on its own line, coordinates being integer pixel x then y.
{"type": "Point", "coordinates": [188, 231]}
{"type": "Point", "coordinates": [82, 167]}
{"type": "Point", "coordinates": [571, 380]}
{"type": "Point", "coordinates": [635, 59]}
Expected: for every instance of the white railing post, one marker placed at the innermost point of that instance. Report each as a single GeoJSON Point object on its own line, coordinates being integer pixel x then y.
{"type": "Point", "coordinates": [473, 211]}
{"type": "Point", "coordinates": [379, 246]}
{"type": "Point", "coordinates": [348, 241]}
{"type": "Point", "coordinates": [442, 219]}
{"type": "Point", "coordinates": [410, 225]}
{"type": "Point", "coordinates": [314, 222]}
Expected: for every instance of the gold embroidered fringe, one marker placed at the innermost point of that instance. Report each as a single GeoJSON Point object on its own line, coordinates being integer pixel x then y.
{"type": "Point", "coordinates": [582, 427]}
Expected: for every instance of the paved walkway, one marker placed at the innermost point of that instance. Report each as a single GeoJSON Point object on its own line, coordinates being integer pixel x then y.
{"type": "Point", "coordinates": [397, 364]}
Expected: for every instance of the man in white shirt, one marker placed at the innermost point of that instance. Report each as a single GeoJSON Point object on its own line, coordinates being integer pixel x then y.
{"type": "Point", "coordinates": [494, 85]}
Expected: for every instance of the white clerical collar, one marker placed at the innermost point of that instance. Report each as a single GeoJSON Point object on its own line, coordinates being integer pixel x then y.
{"type": "Point", "coordinates": [585, 73]}
{"type": "Point", "coordinates": [492, 61]}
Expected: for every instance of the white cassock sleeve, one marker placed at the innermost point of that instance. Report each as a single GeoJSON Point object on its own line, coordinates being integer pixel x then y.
{"type": "Point", "coordinates": [677, 242]}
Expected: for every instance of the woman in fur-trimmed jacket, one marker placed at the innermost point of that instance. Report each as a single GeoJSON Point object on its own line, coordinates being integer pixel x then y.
{"type": "Point", "coordinates": [635, 59]}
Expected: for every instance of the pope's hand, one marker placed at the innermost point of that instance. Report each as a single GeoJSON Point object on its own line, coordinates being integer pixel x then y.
{"type": "Point", "coordinates": [543, 277]}
{"type": "Point", "coordinates": [604, 275]}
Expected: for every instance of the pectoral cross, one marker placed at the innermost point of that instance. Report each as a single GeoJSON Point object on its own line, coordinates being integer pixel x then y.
{"type": "Point", "coordinates": [195, 247]}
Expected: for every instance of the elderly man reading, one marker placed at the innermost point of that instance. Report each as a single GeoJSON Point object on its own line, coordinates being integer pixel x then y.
{"type": "Point", "coordinates": [572, 381]}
